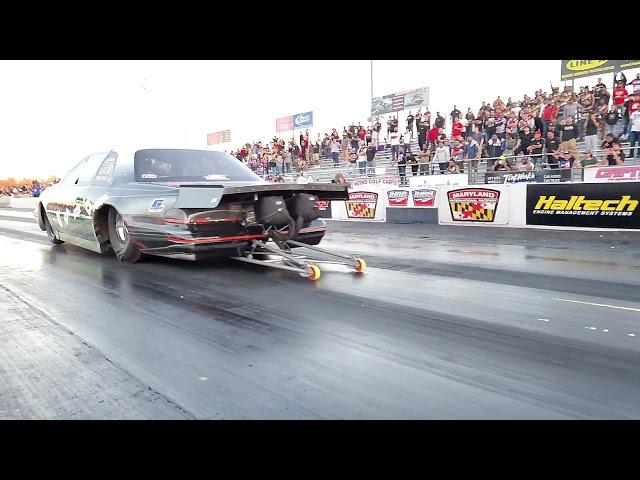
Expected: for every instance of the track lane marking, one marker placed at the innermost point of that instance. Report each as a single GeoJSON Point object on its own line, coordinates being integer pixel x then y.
{"type": "Point", "coordinates": [599, 305]}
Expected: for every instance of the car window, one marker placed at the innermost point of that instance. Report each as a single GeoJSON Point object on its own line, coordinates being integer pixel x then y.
{"type": "Point", "coordinates": [106, 171]}
{"type": "Point", "coordinates": [87, 174]}
{"type": "Point", "coordinates": [73, 174]}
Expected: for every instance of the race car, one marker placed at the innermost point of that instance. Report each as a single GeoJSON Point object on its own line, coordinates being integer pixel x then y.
{"type": "Point", "coordinates": [178, 201]}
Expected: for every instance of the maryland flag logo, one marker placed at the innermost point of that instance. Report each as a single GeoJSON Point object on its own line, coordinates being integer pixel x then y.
{"type": "Point", "coordinates": [473, 204]}
{"type": "Point", "coordinates": [362, 205]}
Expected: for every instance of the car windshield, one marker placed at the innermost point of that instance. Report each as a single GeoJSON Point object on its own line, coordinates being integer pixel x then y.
{"type": "Point", "coordinates": [164, 165]}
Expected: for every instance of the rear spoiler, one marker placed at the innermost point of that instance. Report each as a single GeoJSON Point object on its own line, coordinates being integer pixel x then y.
{"type": "Point", "coordinates": [198, 196]}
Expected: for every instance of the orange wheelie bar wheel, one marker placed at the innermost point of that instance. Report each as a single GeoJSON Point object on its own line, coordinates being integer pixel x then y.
{"type": "Point", "coordinates": [361, 265]}
{"type": "Point", "coordinates": [315, 273]}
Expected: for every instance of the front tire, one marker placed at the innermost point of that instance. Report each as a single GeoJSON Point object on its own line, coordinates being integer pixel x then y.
{"type": "Point", "coordinates": [53, 237]}
{"type": "Point", "coordinates": [126, 251]}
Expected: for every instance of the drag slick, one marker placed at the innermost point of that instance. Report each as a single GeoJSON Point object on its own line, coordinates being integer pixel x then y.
{"type": "Point", "coordinates": [205, 203]}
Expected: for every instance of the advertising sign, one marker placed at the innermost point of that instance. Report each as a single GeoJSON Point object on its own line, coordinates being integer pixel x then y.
{"type": "Point", "coordinates": [596, 205]}
{"type": "Point", "coordinates": [473, 204]}
{"type": "Point", "coordinates": [303, 120]}
{"type": "Point", "coordinates": [584, 68]}
{"type": "Point", "coordinates": [509, 177]}
{"type": "Point", "coordinates": [423, 197]}
{"type": "Point", "coordinates": [612, 174]}
{"type": "Point", "coordinates": [398, 198]}
{"type": "Point", "coordinates": [284, 124]}
{"type": "Point", "coordinates": [219, 137]}
{"type": "Point", "coordinates": [324, 207]}
{"type": "Point", "coordinates": [400, 101]}
{"type": "Point", "coordinates": [453, 180]}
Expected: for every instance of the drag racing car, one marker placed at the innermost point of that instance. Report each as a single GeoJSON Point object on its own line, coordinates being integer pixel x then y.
{"type": "Point", "coordinates": [200, 202]}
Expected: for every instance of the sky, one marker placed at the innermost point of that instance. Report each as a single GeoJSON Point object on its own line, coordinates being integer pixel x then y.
{"type": "Point", "coordinates": [54, 113]}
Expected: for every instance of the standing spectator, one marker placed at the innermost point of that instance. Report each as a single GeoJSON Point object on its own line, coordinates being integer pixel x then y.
{"type": "Point", "coordinates": [535, 148]}
{"type": "Point", "coordinates": [634, 133]}
{"type": "Point", "coordinates": [442, 155]}
{"type": "Point", "coordinates": [395, 144]}
{"type": "Point", "coordinates": [335, 151]}
{"type": "Point", "coordinates": [490, 124]}
{"type": "Point", "coordinates": [424, 161]}
{"type": "Point", "coordinates": [620, 94]}
{"type": "Point", "coordinates": [636, 84]}
{"type": "Point", "coordinates": [316, 154]}
{"type": "Point", "coordinates": [287, 161]}
{"type": "Point", "coordinates": [552, 146]}
{"type": "Point", "coordinates": [498, 104]}
{"type": "Point", "coordinates": [611, 119]}
{"type": "Point", "coordinates": [501, 125]}
{"type": "Point", "coordinates": [472, 153]}
{"type": "Point", "coordinates": [402, 165]}
{"type": "Point", "coordinates": [615, 156]}
{"type": "Point", "coordinates": [371, 155]}
{"type": "Point", "coordinates": [480, 139]}
{"type": "Point", "coordinates": [537, 122]}
{"type": "Point", "coordinates": [410, 119]}
{"type": "Point", "coordinates": [344, 145]}
{"type": "Point", "coordinates": [590, 131]}
{"type": "Point", "coordinates": [457, 154]}
{"type": "Point", "coordinates": [569, 129]}
{"type": "Point", "coordinates": [362, 158]}
{"type": "Point", "coordinates": [369, 135]}
{"type": "Point", "coordinates": [510, 145]}
{"type": "Point", "coordinates": [631, 105]}
{"type": "Point", "coordinates": [433, 135]}
{"type": "Point", "coordinates": [470, 117]}
{"type": "Point", "coordinates": [456, 128]}
{"type": "Point", "coordinates": [413, 162]}
{"type": "Point", "coordinates": [494, 148]}
{"type": "Point", "coordinates": [422, 135]}
{"type": "Point", "coordinates": [549, 115]}
{"type": "Point", "coordinates": [326, 146]}
{"type": "Point", "coordinates": [454, 113]}
{"type": "Point", "coordinates": [439, 123]}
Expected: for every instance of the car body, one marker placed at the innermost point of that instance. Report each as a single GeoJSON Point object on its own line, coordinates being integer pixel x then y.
{"type": "Point", "coordinates": [168, 201]}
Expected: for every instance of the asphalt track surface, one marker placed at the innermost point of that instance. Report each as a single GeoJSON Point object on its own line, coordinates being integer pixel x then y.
{"type": "Point", "coordinates": [447, 323]}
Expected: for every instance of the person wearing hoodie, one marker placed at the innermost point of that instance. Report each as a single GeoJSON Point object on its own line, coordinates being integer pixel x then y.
{"type": "Point", "coordinates": [442, 155]}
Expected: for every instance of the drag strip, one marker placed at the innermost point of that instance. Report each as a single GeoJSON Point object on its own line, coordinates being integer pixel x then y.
{"type": "Point", "coordinates": [427, 332]}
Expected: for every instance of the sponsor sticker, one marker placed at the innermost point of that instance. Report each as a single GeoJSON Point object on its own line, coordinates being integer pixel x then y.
{"type": "Point", "coordinates": [322, 205]}
{"type": "Point", "coordinates": [424, 197]}
{"type": "Point", "coordinates": [398, 198]}
{"type": "Point", "coordinates": [473, 204]}
{"type": "Point", "coordinates": [157, 205]}
{"type": "Point", "coordinates": [362, 204]}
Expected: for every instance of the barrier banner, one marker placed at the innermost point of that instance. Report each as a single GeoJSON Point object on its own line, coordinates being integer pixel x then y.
{"type": "Point", "coordinates": [219, 137]}
{"type": "Point", "coordinates": [612, 174]}
{"type": "Point", "coordinates": [596, 205]}
{"type": "Point", "coordinates": [473, 204]}
{"type": "Point", "coordinates": [362, 205]}
{"type": "Point", "coordinates": [396, 102]}
{"type": "Point", "coordinates": [324, 207]}
{"type": "Point", "coordinates": [420, 197]}
{"type": "Point", "coordinates": [453, 180]}
{"type": "Point", "coordinates": [398, 198]}
{"type": "Point", "coordinates": [509, 177]}
{"type": "Point", "coordinates": [423, 197]}
{"type": "Point", "coordinates": [556, 175]}
{"type": "Point", "coordinates": [545, 176]}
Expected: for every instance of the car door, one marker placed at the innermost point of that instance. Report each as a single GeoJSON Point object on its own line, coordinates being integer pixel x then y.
{"type": "Point", "coordinates": [82, 194]}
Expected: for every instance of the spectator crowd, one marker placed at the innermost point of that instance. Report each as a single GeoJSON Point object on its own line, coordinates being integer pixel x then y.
{"type": "Point", "coordinates": [542, 130]}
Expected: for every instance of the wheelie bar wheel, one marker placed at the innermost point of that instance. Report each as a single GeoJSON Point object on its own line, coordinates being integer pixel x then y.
{"type": "Point", "coordinates": [314, 273]}
{"type": "Point", "coordinates": [361, 265]}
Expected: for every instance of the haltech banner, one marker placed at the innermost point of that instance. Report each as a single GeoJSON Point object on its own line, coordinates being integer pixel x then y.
{"type": "Point", "coordinates": [584, 205]}
{"type": "Point", "coordinates": [362, 204]}
{"type": "Point", "coordinates": [584, 68]}
{"type": "Point", "coordinates": [473, 204]}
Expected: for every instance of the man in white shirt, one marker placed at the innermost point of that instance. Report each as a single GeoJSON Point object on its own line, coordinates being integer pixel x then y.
{"type": "Point", "coordinates": [634, 133]}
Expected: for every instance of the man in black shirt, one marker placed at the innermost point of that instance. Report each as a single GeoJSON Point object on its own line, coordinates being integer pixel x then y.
{"type": "Point", "coordinates": [524, 141]}
{"type": "Point", "coordinates": [371, 154]}
{"type": "Point", "coordinates": [608, 141]}
{"type": "Point", "coordinates": [410, 119]}
{"type": "Point", "coordinates": [535, 148]}
{"type": "Point", "coordinates": [439, 120]}
{"type": "Point", "coordinates": [569, 129]}
{"type": "Point", "coordinates": [552, 145]}
{"type": "Point", "coordinates": [455, 113]}
{"type": "Point", "coordinates": [422, 135]}
{"type": "Point", "coordinates": [615, 155]}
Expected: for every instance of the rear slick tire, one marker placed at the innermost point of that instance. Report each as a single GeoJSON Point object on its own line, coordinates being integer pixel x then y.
{"type": "Point", "coordinates": [124, 248]}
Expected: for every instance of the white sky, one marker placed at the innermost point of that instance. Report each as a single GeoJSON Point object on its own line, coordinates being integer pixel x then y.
{"type": "Point", "coordinates": [53, 113]}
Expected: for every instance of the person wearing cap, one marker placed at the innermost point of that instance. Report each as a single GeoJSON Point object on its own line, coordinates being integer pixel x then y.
{"type": "Point", "coordinates": [588, 160]}
{"type": "Point", "coordinates": [535, 148]}
{"type": "Point", "coordinates": [501, 165]}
